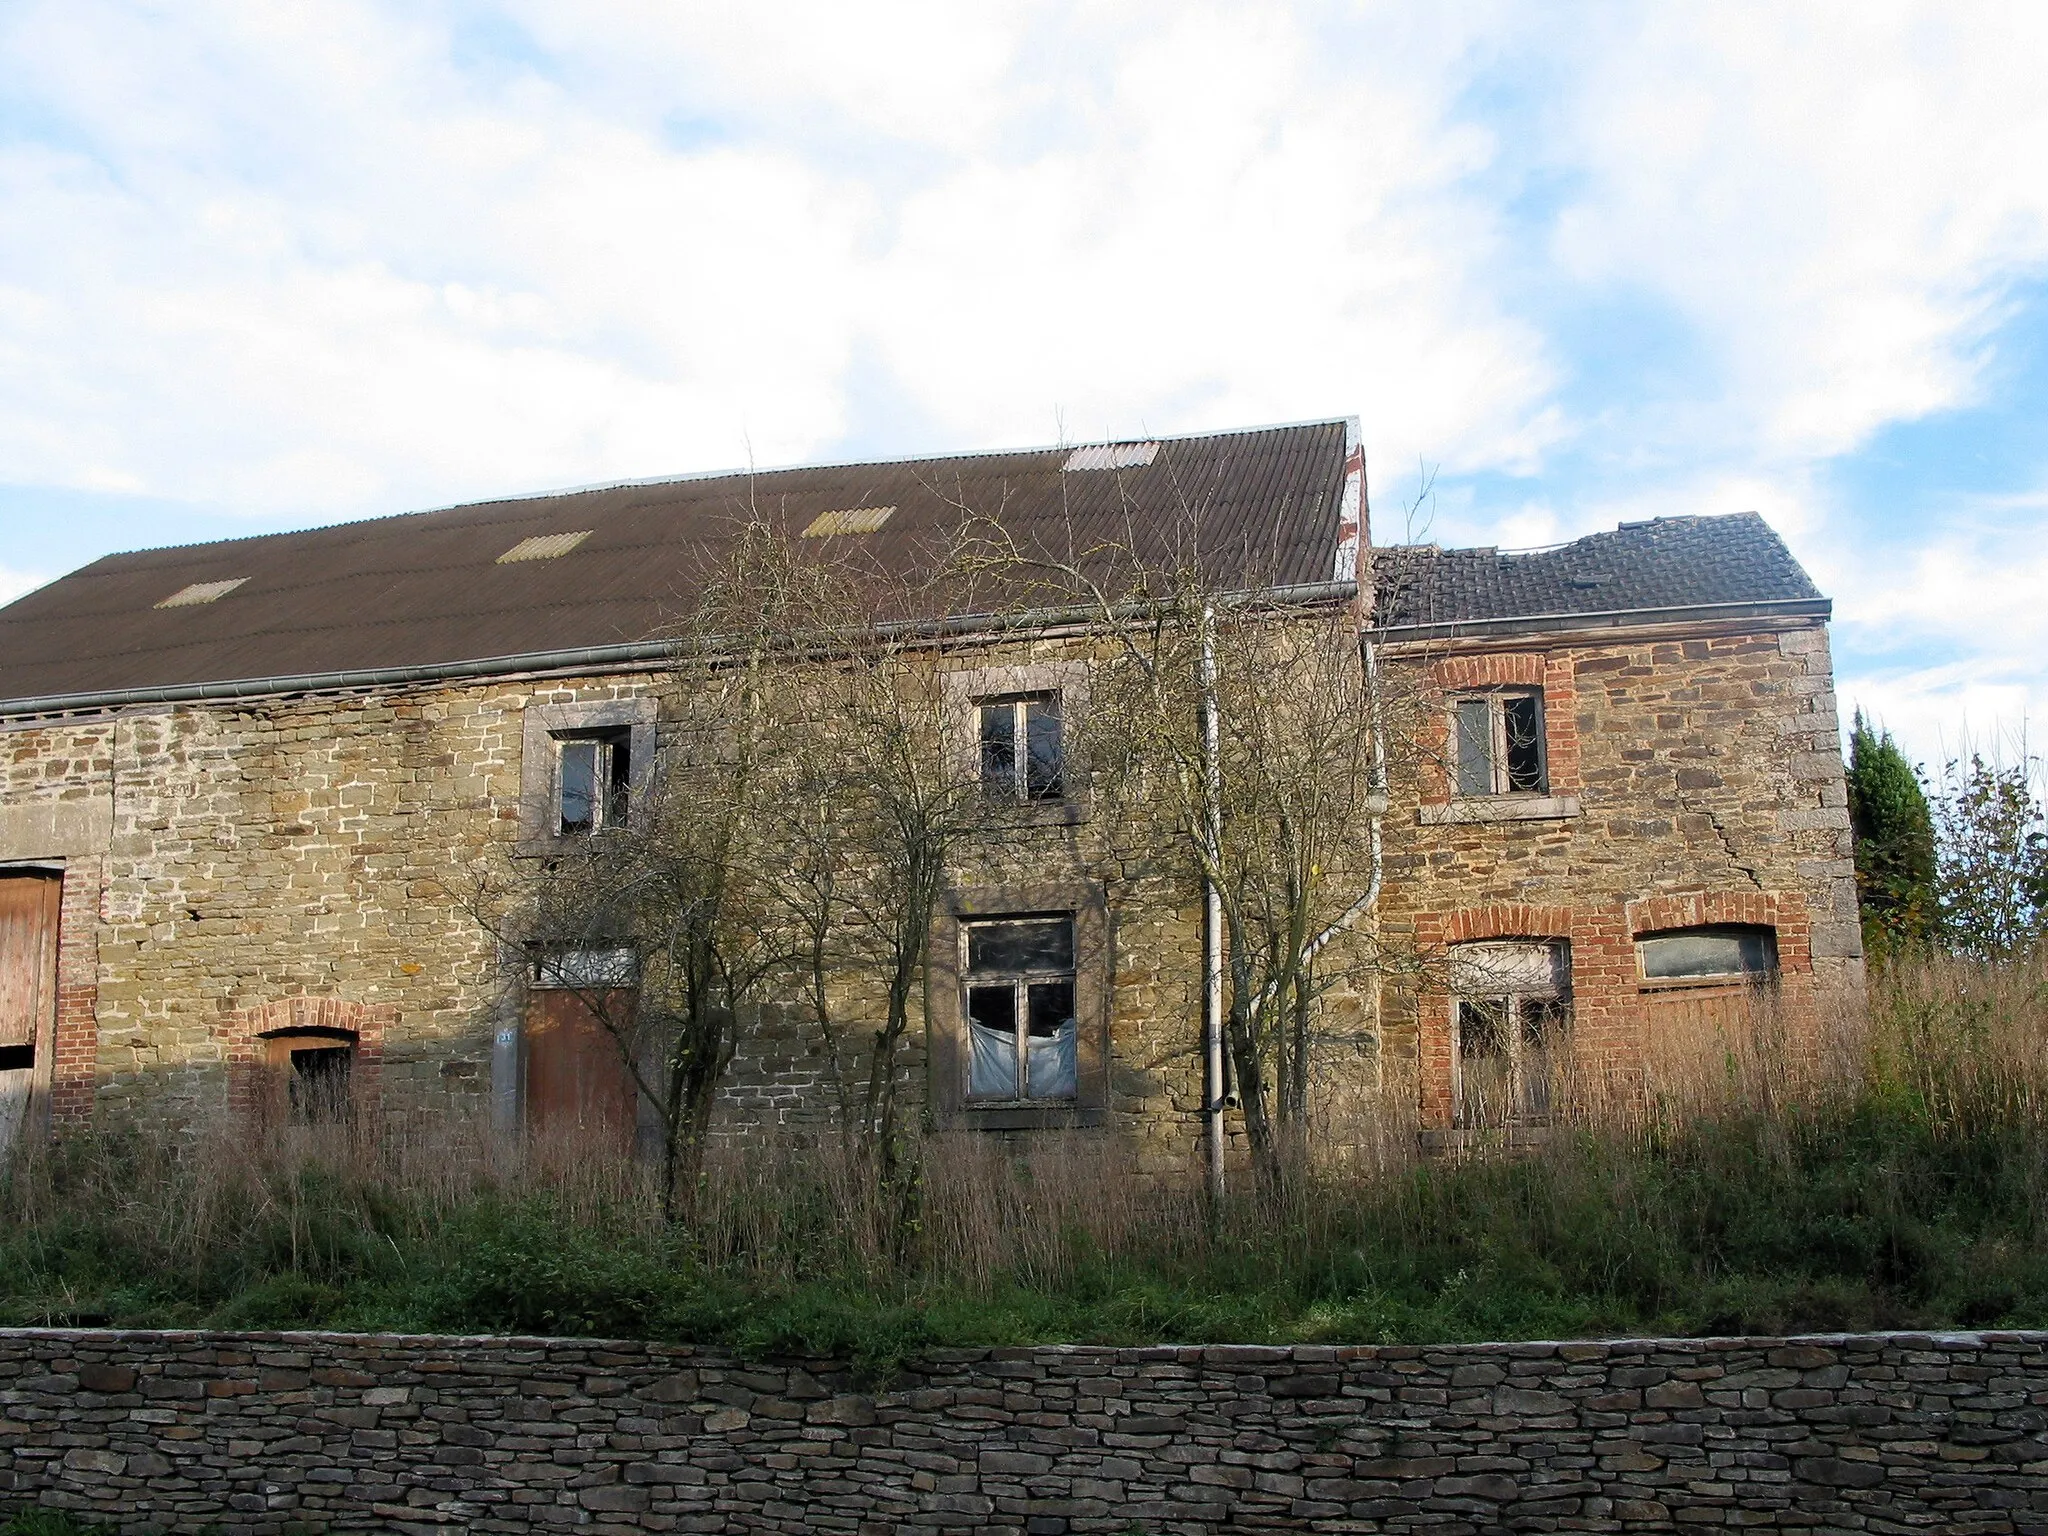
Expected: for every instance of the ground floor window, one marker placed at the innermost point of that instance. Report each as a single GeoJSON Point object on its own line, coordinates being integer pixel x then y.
{"type": "Point", "coordinates": [1512, 1007]}
{"type": "Point", "coordinates": [1021, 1026]}
{"type": "Point", "coordinates": [1723, 952]}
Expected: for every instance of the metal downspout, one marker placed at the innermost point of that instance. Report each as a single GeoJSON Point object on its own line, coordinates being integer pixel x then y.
{"type": "Point", "coordinates": [1377, 801]}
{"type": "Point", "coordinates": [1212, 917]}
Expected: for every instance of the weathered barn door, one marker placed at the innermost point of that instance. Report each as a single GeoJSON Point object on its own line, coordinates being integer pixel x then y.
{"type": "Point", "coordinates": [576, 1080]}
{"type": "Point", "coordinates": [1699, 1039]}
{"type": "Point", "coordinates": [28, 996]}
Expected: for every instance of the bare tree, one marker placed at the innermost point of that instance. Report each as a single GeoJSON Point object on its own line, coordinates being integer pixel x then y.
{"type": "Point", "coordinates": [1241, 723]}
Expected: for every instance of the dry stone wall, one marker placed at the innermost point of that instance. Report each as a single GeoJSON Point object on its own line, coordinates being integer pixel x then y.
{"type": "Point", "coordinates": [276, 1432]}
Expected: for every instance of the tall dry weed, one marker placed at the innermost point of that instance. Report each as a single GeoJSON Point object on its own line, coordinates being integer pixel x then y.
{"type": "Point", "coordinates": [1949, 1051]}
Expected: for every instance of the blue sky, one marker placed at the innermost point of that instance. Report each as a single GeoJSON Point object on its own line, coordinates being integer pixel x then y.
{"type": "Point", "coordinates": [267, 266]}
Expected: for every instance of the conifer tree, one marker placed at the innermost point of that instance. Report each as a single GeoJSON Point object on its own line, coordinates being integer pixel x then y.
{"type": "Point", "coordinates": [1894, 832]}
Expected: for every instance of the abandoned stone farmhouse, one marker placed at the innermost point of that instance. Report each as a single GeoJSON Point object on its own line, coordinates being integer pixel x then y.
{"type": "Point", "coordinates": [235, 777]}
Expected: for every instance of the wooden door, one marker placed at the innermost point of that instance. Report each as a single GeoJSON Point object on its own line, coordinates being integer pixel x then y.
{"type": "Point", "coordinates": [28, 995]}
{"type": "Point", "coordinates": [1700, 1039]}
{"type": "Point", "coordinates": [576, 1080]}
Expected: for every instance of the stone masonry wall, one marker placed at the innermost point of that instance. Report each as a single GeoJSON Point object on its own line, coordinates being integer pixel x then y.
{"type": "Point", "coordinates": [227, 861]}
{"type": "Point", "coordinates": [255, 864]}
{"type": "Point", "coordinates": [324, 1432]}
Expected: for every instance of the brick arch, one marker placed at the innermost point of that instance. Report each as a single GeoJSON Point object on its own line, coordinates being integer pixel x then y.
{"type": "Point", "coordinates": [1492, 669]}
{"type": "Point", "coordinates": [242, 1033]}
{"type": "Point", "coordinates": [1496, 920]}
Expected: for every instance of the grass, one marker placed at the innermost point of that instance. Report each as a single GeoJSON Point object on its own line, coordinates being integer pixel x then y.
{"type": "Point", "coordinates": [1888, 1178]}
{"type": "Point", "coordinates": [45, 1522]}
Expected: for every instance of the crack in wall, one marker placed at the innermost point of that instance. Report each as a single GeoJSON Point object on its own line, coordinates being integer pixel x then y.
{"type": "Point", "coordinates": [1727, 842]}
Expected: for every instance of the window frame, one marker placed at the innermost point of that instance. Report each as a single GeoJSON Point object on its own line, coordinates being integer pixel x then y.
{"type": "Point", "coordinates": [967, 688]}
{"type": "Point", "coordinates": [1558, 992]}
{"type": "Point", "coordinates": [546, 728]}
{"type": "Point", "coordinates": [611, 800]}
{"type": "Point", "coordinates": [946, 1002]}
{"type": "Point", "coordinates": [1498, 744]}
{"type": "Point", "coordinates": [1019, 789]}
{"type": "Point", "coordinates": [1019, 980]}
{"type": "Point", "coordinates": [282, 1047]}
{"type": "Point", "coordinates": [1767, 976]}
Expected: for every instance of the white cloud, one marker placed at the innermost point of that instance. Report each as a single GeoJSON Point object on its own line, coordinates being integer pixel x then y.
{"type": "Point", "coordinates": [303, 260]}
{"type": "Point", "coordinates": [14, 583]}
{"type": "Point", "coordinates": [1947, 639]}
{"type": "Point", "coordinates": [1835, 197]}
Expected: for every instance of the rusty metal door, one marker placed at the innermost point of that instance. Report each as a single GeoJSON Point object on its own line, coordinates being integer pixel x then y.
{"type": "Point", "coordinates": [576, 1079]}
{"type": "Point", "coordinates": [28, 996]}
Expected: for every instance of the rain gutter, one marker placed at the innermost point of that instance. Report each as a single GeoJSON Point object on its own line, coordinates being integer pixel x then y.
{"type": "Point", "coordinates": [1612, 618]}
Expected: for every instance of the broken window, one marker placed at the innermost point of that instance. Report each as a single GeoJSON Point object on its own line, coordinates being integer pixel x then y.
{"type": "Point", "coordinates": [1021, 753]}
{"type": "Point", "coordinates": [1724, 952]}
{"type": "Point", "coordinates": [1021, 1026]}
{"type": "Point", "coordinates": [311, 1071]}
{"type": "Point", "coordinates": [1513, 1005]}
{"type": "Point", "coordinates": [591, 777]}
{"type": "Point", "coordinates": [1498, 741]}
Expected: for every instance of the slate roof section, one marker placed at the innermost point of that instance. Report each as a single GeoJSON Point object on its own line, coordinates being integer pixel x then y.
{"type": "Point", "coordinates": [1672, 563]}
{"type": "Point", "coordinates": [429, 589]}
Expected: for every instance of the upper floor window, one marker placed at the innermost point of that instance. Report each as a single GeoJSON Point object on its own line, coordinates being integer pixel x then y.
{"type": "Point", "coordinates": [1021, 753]}
{"type": "Point", "coordinates": [1498, 743]}
{"type": "Point", "coordinates": [1726, 951]}
{"type": "Point", "coordinates": [592, 778]}
{"type": "Point", "coordinates": [1021, 1025]}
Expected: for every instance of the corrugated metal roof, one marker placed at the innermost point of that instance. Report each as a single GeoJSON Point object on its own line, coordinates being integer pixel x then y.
{"type": "Point", "coordinates": [430, 588]}
{"type": "Point", "coordinates": [1669, 563]}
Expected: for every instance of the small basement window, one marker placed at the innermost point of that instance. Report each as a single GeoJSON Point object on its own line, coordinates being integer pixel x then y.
{"type": "Point", "coordinates": [1021, 754]}
{"type": "Point", "coordinates": [1513, 1003]}
{"type": "Point", "coordinates": [1727, 951]}
{"type": "Point", "coordinates": [593, 775]}
{"type": "Point", "coordinates": [312, 1069]}
{"type": "Point", "coordinates": [1498, 740]}
{"type": "Point", "coordinates": [1021, 1025]}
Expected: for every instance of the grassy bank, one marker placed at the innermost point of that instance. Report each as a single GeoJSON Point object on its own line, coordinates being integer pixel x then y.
{"type": "Point", "coordinates": [1892, 1178]}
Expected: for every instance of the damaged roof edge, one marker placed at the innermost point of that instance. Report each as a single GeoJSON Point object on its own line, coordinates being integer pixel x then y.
{"type": "Point", "coordinates": [629, 654]}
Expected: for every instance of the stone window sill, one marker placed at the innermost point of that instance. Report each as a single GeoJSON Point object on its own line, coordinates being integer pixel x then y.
{"type": "Point", "coordinates": [1516, 1136]}
{"type": "Point", "coordinates": [1500, 808]}
{"type": "Point", "coordinates": [974, 1116]}
{"type": "Point", "coordinates": [1004, 812]}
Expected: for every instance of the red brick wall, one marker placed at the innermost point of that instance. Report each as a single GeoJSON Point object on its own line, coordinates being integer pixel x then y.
{"type": "Point", "coordinates": [78, 1033]}
{"type": "Point", "coordinates": [1608, 1022]}
{"type": "Point", "coordinates": [1708, 778]}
